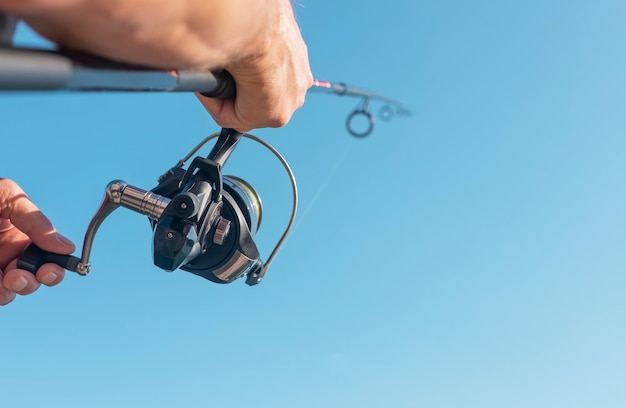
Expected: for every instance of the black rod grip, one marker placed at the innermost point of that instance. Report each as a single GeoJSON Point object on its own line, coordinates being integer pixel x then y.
{"type": "Point", "coordinates": [34, 257]}
{"type": "Point", "coordinates": [225, 88]}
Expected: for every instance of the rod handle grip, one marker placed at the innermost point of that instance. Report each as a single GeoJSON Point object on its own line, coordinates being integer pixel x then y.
{"type": "Point", "coordinates": [225, 88]}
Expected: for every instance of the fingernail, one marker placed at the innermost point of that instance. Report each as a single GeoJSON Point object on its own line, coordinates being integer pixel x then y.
{"type": "Point", "coordinates": [20, 284]}
{"type": "Point", "coordinates": [5, 224]}
{"type": "Point", "coordinates": [64, 240]}
{"type": "Point", "coordinates": [49, 278]}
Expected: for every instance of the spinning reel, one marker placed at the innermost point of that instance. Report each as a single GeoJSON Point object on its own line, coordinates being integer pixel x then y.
{"type": "Point", "coordinates": [203, 222]}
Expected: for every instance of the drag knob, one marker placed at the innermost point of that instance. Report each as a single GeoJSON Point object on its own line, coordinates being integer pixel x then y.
{"type": "Point", "coordinates": [221, 231]}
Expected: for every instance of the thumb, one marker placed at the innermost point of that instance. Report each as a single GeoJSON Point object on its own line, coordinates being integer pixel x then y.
{"type": "Point", "coordinates": [23, 214]}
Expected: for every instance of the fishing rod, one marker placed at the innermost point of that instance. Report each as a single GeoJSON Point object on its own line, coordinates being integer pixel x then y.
{"type": "Point", "coordinates": [203, 221]}
{"type": "Point", "coordinates": [24, 69]}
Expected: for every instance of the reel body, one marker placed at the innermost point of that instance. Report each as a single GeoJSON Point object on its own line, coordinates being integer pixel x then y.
{"type": "Point", "coordinates": [209, 225]}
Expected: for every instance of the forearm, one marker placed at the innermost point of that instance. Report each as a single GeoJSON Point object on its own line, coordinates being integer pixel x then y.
{"type": "Point", "coordinates": [173, 34]}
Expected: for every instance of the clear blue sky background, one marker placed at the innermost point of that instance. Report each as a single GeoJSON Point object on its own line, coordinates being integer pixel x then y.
{"type": "Point", "coordinates": [472, 255]}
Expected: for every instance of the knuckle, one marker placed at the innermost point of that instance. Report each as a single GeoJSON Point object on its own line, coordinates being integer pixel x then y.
{"type": "Point", "coordinates": [6, 182]}
{"type": "Point", "coordinates": [279, 120]}
{"type": "Point", "coordinates": [8, 187]}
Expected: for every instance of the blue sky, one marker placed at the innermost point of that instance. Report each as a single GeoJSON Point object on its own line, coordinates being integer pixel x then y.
{"type": "Point", "coordinates": [469, 256]}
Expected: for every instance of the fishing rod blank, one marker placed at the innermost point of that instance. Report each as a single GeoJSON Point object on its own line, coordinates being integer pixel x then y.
{"type": "Point", "coordinates": [390, 108]}
{"type": "Point", "coordinates": [23, 69]}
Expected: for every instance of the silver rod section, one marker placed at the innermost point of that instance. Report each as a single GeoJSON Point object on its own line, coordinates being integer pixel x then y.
{"type": "Point", "coordinates": [20, 70]}
{"type": "Point", "coordinates": [39, 70]}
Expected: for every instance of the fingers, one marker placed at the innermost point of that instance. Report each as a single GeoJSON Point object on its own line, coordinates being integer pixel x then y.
{"type": "Point", "coordinates": [19, 281]}
{"type": "Point", "coordinates": [6, 295]}
{"type": "Point", "coordinates": [226, 114]}
{"type": "Point", "coordinates": [5, 225]}
{"type": "Point", "coordinates": [272, 82]}
{"type": "Point", "coordinates": [251, 109]}
{"type": "Point", "coordinates": [21, 222]}
{"type": "Point", "coordinates": [16, 207]}
{"type": "Point", "coordinates": [258, 105]}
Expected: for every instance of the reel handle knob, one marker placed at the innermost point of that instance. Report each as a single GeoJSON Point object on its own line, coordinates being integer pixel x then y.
{"type": "Point", "coordinates": [34, 257]}
{"type": "Point", "coordinates": [221, 231]}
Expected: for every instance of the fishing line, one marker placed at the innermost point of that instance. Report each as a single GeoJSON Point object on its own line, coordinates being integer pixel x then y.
{"type": "Point", "coordinates": [323, 186]}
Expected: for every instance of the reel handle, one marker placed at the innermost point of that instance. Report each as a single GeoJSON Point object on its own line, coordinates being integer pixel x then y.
{"type": "Point", "coordinates": [117, 194]}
